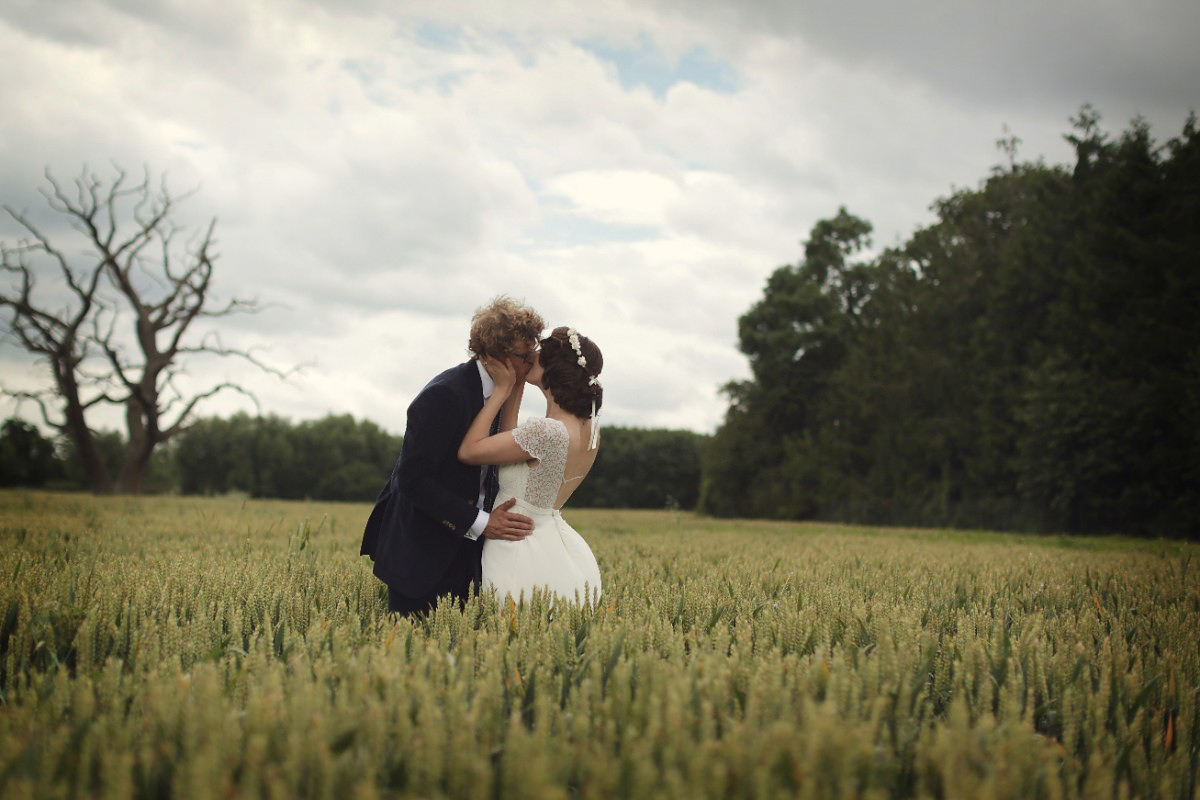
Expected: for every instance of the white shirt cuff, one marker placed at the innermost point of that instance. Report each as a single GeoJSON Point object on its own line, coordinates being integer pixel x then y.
{"type": "Point", "coordinates": [476, 530]}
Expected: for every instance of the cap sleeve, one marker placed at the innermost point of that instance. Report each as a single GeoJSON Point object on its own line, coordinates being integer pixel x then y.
{"type": "Point", "coordinates": [542, 438]}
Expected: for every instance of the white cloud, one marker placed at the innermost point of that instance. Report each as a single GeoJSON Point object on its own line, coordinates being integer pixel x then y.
{"type": "Point", "coordinates": [623, 197]}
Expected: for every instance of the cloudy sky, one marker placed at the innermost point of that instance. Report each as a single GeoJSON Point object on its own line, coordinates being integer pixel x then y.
{"type": "Point", "coordinates": [380, 169]}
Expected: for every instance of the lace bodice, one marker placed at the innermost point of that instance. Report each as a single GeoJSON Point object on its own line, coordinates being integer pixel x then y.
{"type": "Point", "coordinates": [546, 440]}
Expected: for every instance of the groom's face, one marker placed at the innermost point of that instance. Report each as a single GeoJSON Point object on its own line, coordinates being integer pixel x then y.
{"type": "Point", "coordinates": [522, 357]}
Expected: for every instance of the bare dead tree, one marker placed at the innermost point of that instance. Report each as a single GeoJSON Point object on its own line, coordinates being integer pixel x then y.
{"type": "Point", "coordinates": [59, 338]}
{"type": "Point", "coordinates": [144, 333]}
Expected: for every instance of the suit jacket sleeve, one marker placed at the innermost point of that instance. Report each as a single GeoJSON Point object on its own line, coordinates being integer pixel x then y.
{"type": "Point", "coordinates": [430, 445]}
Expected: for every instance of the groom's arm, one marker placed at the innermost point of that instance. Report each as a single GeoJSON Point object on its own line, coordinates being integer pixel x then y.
{"type": "Point", "coordinates": [430, 443]}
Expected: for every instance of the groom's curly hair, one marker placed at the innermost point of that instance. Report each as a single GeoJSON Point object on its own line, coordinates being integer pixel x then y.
{"type": "Point", "coordinates": [563, 376]}
{"type": "Point", "coordinates": [501, 325]}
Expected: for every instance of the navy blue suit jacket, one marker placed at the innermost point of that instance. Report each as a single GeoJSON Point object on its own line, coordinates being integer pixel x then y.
{"type": "Point", "coordinates": [416, 530]}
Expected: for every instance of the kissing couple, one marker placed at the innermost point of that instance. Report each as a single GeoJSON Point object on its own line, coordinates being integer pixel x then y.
{"type": "Point", "coordinates": [474, 498]}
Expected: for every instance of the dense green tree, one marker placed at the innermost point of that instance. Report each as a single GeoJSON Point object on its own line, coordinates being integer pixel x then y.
{"type": "Point", "coordinates": [337, 458]}
{"type": "Point", "coordinates": [109, 446]}
{"type": "Point", "coordinates": [1109, 409]}
{"type": "Point", "coordinates": [26, 457]}
{"type": "Point", "coordinates": [644, 468]}
{"type": "Point", "coordinates": [762, 461]}
{"type": "Point", "coordinates": [215, 455]}
{"type": "Point", "coordinates": [333, 458]}
{"type": "Point", "coordinates": [1028, 361]}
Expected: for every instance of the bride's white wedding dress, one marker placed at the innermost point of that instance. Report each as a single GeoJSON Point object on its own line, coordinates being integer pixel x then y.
{"type": "Point", "coordinates": [554, 556]}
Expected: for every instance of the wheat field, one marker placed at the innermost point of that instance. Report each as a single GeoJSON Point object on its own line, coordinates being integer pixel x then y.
{"type": "Point", "coordinates": [227, 648]}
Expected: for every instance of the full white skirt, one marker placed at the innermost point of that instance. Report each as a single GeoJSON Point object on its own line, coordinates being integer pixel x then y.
{"type": "Point", "coordinates": [554, 557]}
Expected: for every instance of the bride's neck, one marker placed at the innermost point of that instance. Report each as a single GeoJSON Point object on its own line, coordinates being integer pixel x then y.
{"type": "Point", "coordinates": [553, 409]}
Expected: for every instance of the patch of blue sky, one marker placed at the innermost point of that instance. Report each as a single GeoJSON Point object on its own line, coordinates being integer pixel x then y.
{"type": "Point", "coordinates": [518, 47]}
{"type": "Point", "coordinates": [367, 73]}
{"type": "Point", "coordinates": [447, 81]}
{"type": "Point", "coordinates": [439, 37]}
{"type": "Point", "coordinates": [644, 64]}
{"type": "Point", "coordinates": [363, 70]}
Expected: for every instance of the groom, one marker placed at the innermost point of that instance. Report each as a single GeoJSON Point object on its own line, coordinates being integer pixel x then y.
{"type": "Point", "coordinates": [426, 531]}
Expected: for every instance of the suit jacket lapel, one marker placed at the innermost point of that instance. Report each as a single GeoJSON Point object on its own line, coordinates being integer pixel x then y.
{"type": "Point", "coordinates": [475, 386]}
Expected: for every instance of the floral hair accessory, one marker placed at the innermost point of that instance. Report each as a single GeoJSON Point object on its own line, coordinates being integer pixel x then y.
{"type": "Point", "coordinates": [573, 338]}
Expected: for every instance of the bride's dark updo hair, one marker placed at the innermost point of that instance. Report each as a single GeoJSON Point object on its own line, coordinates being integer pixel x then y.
{"type": "Point", "coordinates": [563, 376]}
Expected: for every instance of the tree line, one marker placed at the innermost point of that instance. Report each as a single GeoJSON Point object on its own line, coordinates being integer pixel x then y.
{"type": "Point", "coordinates": [1030, 361]}
{"type": "Point", "coordinates": [337, 458]}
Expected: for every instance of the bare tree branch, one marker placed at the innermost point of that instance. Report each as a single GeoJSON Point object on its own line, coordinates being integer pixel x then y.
{"type": "Point", "coordinates": [40, 399]}
{"type": "Point", "coordinates": [212, 345]}
{"type": "Point", "coordinates": [180, 424]}
{"type": "Point", "coordinates": [103, 397]}
{"type": "Point", "coordinates": [104, 339]}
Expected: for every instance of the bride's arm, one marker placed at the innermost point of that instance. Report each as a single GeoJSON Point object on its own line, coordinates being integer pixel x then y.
{"type": "Point", "coordinates": [512, 407]}
{"type": "Point", "coordinates": [477, 446]}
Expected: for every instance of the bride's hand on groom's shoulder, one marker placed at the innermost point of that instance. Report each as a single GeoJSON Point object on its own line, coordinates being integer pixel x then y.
{"type": "Point", "coordinates": [502, 373]}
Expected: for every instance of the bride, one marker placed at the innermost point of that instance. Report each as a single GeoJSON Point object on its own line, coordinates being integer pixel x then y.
{"type": "Point", "coordinates": [544, 461]}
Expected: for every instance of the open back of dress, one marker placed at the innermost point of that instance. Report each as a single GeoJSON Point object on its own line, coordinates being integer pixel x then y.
{"type": "Point", "coordinates": [554, 556]}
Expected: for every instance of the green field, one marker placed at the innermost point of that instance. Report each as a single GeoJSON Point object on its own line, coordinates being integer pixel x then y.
{"type": "Point", "coordinates": [228, 648]}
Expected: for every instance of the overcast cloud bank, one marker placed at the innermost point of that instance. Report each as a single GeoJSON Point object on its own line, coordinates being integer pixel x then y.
{"type": "Point", "coordinates": [377, 174]}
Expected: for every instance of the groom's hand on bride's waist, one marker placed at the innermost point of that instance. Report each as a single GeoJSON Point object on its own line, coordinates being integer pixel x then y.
{"type": "Point", "coordinates": [502, 524]}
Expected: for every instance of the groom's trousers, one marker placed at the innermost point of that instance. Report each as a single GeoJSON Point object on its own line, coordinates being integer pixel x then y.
{"type": "Point", "coordinates": [457, 582]}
